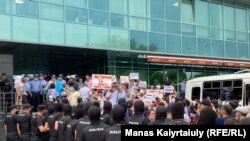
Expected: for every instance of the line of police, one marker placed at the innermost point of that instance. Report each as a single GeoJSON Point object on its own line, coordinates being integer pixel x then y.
{"type": "Point", "coordinates": [61, 122]}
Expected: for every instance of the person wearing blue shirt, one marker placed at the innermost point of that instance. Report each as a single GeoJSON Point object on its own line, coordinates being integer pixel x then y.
{"type": "Point", "coordinates": [36, 92]}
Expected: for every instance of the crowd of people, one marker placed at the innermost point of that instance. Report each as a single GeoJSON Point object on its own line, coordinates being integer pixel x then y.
{"type": "Point", "coordinates": [73, 111]}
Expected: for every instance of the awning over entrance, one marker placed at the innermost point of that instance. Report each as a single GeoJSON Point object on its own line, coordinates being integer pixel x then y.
{"type": "Point", "coordinates": [197, 61]}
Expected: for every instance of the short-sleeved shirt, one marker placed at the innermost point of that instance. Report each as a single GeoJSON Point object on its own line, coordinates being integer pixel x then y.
{"type": "Point", "coordinates": [74, 96]}
{"type": "Point", "coordinates": [35, 86]}
{"type": "Point", "coordinates": [11, 123]}
{"type": "Point", "coordinates": [113, 133]}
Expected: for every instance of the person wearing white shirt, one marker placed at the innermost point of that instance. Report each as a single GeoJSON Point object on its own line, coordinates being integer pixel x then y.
{"type": "Point", "coordinates": [85, 93]}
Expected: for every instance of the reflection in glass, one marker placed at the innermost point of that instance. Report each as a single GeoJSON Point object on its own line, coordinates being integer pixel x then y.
{"type": "Point", "coordinates": [217, 48]}
{"type": "Point", "coordinates": [5, 6]}
{"type": "Point", "coordinates": [204, 47]}
{"type": "Point", "coordinates": [188, 45]}
{"type": "Point", "coordinates": [156, 9]}
{"type": "Point", "coordinates": [98, 18]}
{"type": "Point", "coordinates": [156, 42]}
{"type": "Point", "coordinates": [203, 13]}
{"type": "Point", "coordinates": [27, 8]}
{"type": "Point", "coordinates": [98, 37]}
{"type": "Point", "coordinates": [230, 49]}
{"type": "Point", "coordinates": [187, 11]}
{"type": "Point", "coordinates": [117, 20]}
{"type": "Point", "coordinates": [173, 44]}
{"type": "Point", "coordinates": [119, 39]}
{"type": "Point", "coordinates": [138, 40]}
{"type": "Point", "coordinates": [138, 23]}
{"type": "Point", "coordinates": [99, 4]}
{"type": "Point", "coordinates": [76, 15]}
{"type": "Point", "coordinates": [172, 10]}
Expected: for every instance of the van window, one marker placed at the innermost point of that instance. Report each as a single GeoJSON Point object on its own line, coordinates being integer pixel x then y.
{"type": "Point", "coordinates": [196, 93]}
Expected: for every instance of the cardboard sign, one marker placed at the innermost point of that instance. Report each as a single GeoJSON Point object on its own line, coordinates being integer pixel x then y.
{"type": "Point", "coordinates": [142, 84]}
{"type": "Point", "coordinates": [169, 89]}
{"type": "Point", "coordinates": [155, 93]}
{"type": "Point", "coordinates": [101, 81]}
{"type": "Point", "coordinates": [134, 76]}
{"type": "Point", "coordinates": [124, 79]}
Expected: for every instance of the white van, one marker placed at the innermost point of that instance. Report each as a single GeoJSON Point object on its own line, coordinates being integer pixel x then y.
{"type": "Point", "coordinates": [229, 87]}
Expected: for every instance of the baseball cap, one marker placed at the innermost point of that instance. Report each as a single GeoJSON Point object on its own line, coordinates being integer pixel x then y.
{"type": "Point", "coordinates": [26, 106]}
{"type": "Point", "coordinates": [242, 109]}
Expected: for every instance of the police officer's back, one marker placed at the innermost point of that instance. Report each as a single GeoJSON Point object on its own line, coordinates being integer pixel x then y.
{"type": "Point", "coordinates": [94, 131]}
{"type": "Point", "coordinates": [138, 117]}
{"type": "Point", "coordinates": [63, 122]}
{"type": "Point", "coordinates": [177, 112]}
{"type": "Point", "coordinates": [37, 125]}
{"type": "Point", "coordinates": [160, 117]}
{"type": "Point", "coordinates": [106, 117]}
{"type": "Point", "coordinates": [71, 127]}
{"type": "Point", "coordinates": [24, 122]}
{"type": "Point", "coordinates": [84, 121]}
{"type": "Point", "coordinates": [53, 122]}
{"type": "Point", "coordinates": [113, 133]}
{"type": "Point", "coordinates": [11, 124]}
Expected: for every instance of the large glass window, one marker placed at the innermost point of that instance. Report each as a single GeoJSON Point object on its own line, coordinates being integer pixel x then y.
{"type": "Point", "coordinates": [172, 10]}
{"type": "Point", "coordinates": [118, 6]}
{"type": "Point", "coordinates": [188, 45]}
{"type": "Point", "coordinates": [25, 29]}
{"type": "Point", "coordinates": [242, 50]}
{"type": "Point", "coordinates": [188, 11]}
{"type": "Point", "coordinates": [156, 25]}
{"type": "Point", "coordinates": [76, 34]}
{"type": "Point", "coordinates": [51, 11]}
{"type": "Point", "coordinates": [138, 40]}
{"type": "Point", "coordinates": [76, 15]}
{"type": "Point", "coordinates": [138, 7]}
{"type": "Point", "coordinates": [138, 23]}
{"type": "Point", "coordinates": [173, 27]}
{"type": "Point", "coordinates": [99, 4]}
{"type": "Point", "coordinates": [156, 42]}
{"type": "Point", "coordinates": [242, 36]}
{"type": "Point", "coordinates": [230, 49]}
{"type": "Point", "coordinates": [188, 29]}
{"type": "Point", "coordinates": [216, 15]}
{"type": "Point", "coordinates": [119, 39]}
{"type": "Point", "coordinates": [117, 20]}
{"type": "Point", "coordinates": [156, 9]}
{"type": "Point", "coordinates": [229, 17]}
{"type": "Point", "coordinates": [241, 20]}
{"type": "Point", "coordinates": [77, 3]}
{"type": "Point", "coordinates": [51, 32]}
{"type": "Point", "coordinates": [5, 6]}
{"type": "Point", "coordinates": [217, 33]}
{"type": "Point", "coordinates": [204, 47]}
{"type": "Point", "coordinates": [52, 1]}
{"type": "Point", "coordinates": [27, 8]}
{"type": "Point", "coordinates": [173, 44]}
{"type": "Point", "coordinates": [229, 34]}
{"type": "Point", "coordinates": [98, 37]}
{"type": "Point", "coordinates": [203, 14]}
{"type": "Point", "coordinates": [98, 18]}
{"type": "Point", "coordinates": [203, 31]}
{"type": "Point", "coordinates": [5, 27]}
{"type": "Point", "coordinates": [217, 48]}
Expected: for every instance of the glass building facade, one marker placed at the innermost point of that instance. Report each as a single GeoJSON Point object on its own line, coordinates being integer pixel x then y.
{"type": "Point", "coordinates": [198, 28]}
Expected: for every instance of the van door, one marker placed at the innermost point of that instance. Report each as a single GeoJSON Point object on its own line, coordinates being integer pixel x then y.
{"type": "Point", "coordinates": [194, 91]}
{"type": "Point", "coordinates": [246, 92]}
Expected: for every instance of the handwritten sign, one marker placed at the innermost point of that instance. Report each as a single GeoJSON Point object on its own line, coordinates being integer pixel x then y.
{"type": "Point", "coordinates": [124, 79]}
{"type": "Point", "coordinates": [101, 81]}
{"type": "Point", "coordinates": [142, 84]}
{"type": "Point", "coordinates": [134, 76]}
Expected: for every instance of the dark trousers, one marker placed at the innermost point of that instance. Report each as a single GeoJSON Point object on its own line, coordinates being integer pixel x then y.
{"type": "Point", "coordinates": [35, 138]}
{"type": "Point", "coordinates": [12, 136]}
{"type": "Point", "coordinates": [53, 138]}
{"type": "Point", "coordinates": [24, 138]}
{"type": "Point", "coordinates": [35, 100]}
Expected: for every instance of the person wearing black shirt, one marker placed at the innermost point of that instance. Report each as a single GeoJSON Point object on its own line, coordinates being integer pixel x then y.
{"type": "Point", "coordinates": [94, 131]}
{"type": "Point", "coordinates": [24, 122]}
{"type": "Point", "coordinates": [37, 125]}
{"type": "Point", "coordinates": [160, 116]}
{"type": "Point", "coordinates": [106, 117]}
{"type": "Point", "coordinates": [63, 122]}
{"type": "Point", "coordinates": [71, 127]}
{"type": "Point", "coordinates": [138, 117]}
{"type": "Point", "coordinates": [84, 121]}
{"type": "Point", "coordinates": [53, 122]}
{"type": "Point", "coordinates": [11, 124]}
{"type": "Point", "coordinates": [113, 133]}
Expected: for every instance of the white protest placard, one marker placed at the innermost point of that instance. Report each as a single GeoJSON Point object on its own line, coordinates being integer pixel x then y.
{"type": "Point", "coordinates": [101, 81]}
{"type": "Point", "coordinates": [169, 89]}
{"type": "Point", "coordinates": [155, 93]}
{"type": "Point", "coordinates": [142, 84]}
{"type": "Point", "coordinates": [124, 79]}
{"type": "Point", "coordinates": [134, 75]}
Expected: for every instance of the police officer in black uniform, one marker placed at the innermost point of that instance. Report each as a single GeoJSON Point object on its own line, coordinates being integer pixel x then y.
{"type": "Point", "coordinates": [63, 122]}
{"type": "Point", "coordinates": [71, 127]}
{"type": "Point", "coordinates": [53, 122]}
{"type": "Point", "coordinates": [83, 122]}
{"type": "Point", "coordinates": [24, 122]}
{"type": "Point", "coordinates": [37, 125]}
{"type": "Point", "coordinates": [113, 133]}
{"type": "Point", "coordinates": [11, 124]}
{"type": "Point", "coordinates": [138, 117]}
{"type": "Point", "coordinates": [160, 117]}
{"type": "Point", "coordinates": [106, 117]}
{"type": "Point", "coordinates": [94, 131]}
